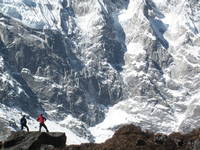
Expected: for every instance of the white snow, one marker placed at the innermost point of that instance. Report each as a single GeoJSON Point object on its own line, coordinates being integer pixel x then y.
{"type": "Point", "coordinates": [114, 117]}
{"type": "Point", "coordinates": [128, 13]}
{"type": "Point", "coordinates": [14, 115]}
{"type": "Point", "coordinates": [71, 137]}
{"type": "Point", "coordinates": [37, 14]}
{"type": "Point", "coordinates": [6, 78]}
{"type": "Point", "coordinates": [85, 22]}
{"type": "Point", "coordinates": [135, 48]}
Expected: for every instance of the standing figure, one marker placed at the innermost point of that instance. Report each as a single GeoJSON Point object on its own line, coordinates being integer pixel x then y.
{"type": "Point", "coordinates": [23, 123]}
{"type": "Point", "coordinates": [41, 119]}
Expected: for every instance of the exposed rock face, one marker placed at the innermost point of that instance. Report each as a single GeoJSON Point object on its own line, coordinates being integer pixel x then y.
{"type": "Point", "coordinates": [33, 141]}
{"type": "Point", "coordinates": [49, 73]}
{"type": "Point", "coordinates": [72, 57]}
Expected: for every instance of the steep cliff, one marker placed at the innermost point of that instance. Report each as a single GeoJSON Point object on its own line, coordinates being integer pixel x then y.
{"type": "Point", "coordinates": [105, 63]}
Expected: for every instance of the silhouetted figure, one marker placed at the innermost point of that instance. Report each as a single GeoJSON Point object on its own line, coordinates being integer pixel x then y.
{"type": "Point", "coordinates": [41, 119]}
{"type": "Point", "coordinates": [23, 123]}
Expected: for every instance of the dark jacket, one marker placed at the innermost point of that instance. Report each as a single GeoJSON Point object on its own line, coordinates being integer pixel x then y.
{"type": "Point", "coordinates": [23, 121]}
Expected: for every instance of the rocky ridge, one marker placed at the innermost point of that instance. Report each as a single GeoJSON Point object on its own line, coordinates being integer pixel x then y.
{"type": "Point", "coordinates": [33, 141]}
{"type": "Point", "coordinates": [131, 137]}
{"type": "Point", "coordinates": [128, 137]}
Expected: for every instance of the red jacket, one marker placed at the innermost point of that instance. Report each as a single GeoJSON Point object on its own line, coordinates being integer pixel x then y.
{"type": "Point", "coordinates": [41, 119]}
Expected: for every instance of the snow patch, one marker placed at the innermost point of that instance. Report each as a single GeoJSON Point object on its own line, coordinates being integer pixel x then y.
{"type": "Point", "coordinates": [135, 49]}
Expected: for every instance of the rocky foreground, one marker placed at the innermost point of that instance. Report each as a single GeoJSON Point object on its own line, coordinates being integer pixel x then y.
{"type": "Point", "coordinates": [33, 141]}
{"type": "Point", "coordinates": [128, 137]}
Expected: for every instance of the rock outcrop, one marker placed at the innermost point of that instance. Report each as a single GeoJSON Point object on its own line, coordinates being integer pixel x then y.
{"type": "Point", "coordinates": [33, 141]}
{"type": "Point", "coordinates": [130, 137]}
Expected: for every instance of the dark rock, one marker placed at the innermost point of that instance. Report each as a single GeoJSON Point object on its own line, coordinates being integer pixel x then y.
{"type": "Point", "coordinates": [140, 142]}
{"type": "Point", "coordinates": [33, 140]}
{"type": "Point", "coordinates": [178, 139]}
{"type": "Point", "coordinates": [196, 145]}
{"type": "Point", "coordinates": [160, 138]}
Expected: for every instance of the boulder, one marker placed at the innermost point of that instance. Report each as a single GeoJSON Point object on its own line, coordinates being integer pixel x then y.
{"type": "Point", "coordinates": [33, 141]}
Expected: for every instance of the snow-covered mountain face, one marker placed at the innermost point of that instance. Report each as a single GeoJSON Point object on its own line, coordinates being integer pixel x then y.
{"type": "Point", "coordinates": [103, 62]}
{"type": "Point", "coordinates": [162, 64]}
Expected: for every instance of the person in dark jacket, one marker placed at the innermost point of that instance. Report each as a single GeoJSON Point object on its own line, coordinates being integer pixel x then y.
{"type": "Point", "coordinates": [41, 119]}
{"type": "Point", "coordinates": [23, 123]}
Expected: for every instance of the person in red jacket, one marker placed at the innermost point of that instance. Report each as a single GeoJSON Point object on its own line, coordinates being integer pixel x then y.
{"type": "Point", "coordinates": [41, 119]}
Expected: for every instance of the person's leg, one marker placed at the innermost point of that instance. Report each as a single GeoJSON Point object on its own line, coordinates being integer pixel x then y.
{"type": "Point", "coordinates": [40, 127]}
{"type": "Point", "coordinates": [45, 127]}
{"type": "Point", "coordinates": [27, 128]}
{"type": "Point", "coordinates": [22, 127]}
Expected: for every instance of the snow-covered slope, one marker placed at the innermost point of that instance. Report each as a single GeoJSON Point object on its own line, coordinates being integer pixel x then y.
{"type": "Point", "coordinates": [174, 74]}
{"type": "Point", "coordinates": [128, 61]}
{"type": "Point", "coordinates": [12, 118]}
{"type": "Point", "coordinates": [34, 13]}
{"type": "Point", "coordinates": [161, 68]}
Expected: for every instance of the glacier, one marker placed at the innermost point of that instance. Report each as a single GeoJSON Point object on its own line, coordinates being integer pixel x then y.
{"type": "Point", "coordinates": [129, 61]}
